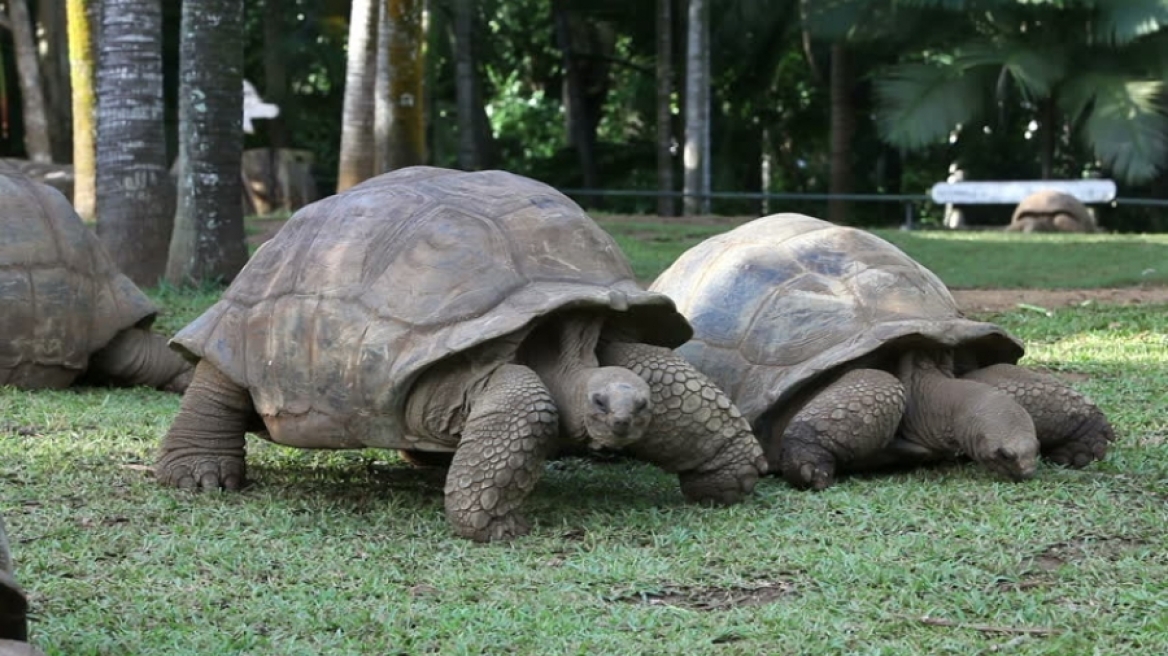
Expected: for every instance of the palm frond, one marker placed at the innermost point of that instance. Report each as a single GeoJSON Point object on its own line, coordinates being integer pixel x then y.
{"type": "Point", "coordinates": [920, 104]}
{"type": "Point", "coordinates": [1036, 70]}
{"type": "Point", "coordinates": [1125, 123]}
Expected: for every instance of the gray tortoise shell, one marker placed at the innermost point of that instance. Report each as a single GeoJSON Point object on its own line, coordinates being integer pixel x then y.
{"type": "Point", "coordinates": [1048, 202]}
{"type": "Point", "coordinates": [63, 297]}
{"type": "Point", "coordinates": [332, 320]}
{"type": "Point", "coordinates": [781, 300]}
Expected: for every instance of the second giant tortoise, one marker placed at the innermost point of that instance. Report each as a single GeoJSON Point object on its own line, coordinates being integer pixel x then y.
{"type": "Point", "coordinates": [846, 354]}
{"type": "Point", "coordinates": [1048, 210]}
{"type": "Point", "coordinates": [13, 605]}
{"type": "Point", "coordinates": [66, 312]}
{"type": "Point", "coordinates": [480, 314]}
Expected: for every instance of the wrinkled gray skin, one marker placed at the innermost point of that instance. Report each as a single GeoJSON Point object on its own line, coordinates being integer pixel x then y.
{"type": "Point", "coordinates": [847, 355]}
{"type": "Point", "coordinates": [480, 318]}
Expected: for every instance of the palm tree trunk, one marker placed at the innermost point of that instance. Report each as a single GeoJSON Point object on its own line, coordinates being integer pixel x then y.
{"type": "Point", "coordinates": [665, 204]}
{"type": "Point", "coordinates": [135, 204]}
{"type": "Point", "coordinates": [382, 103]}
{"type": "Point", "coordinates": [577, 114]}
{"type": "Point", "coordinates": [357, 148]}
{"type": "Point", "coordinates": [407, 127]}
{"type": "Point", "coordinates": [697, 89]}
{"type": "Point", "coordinates": [81, 78]}
{"type": "Point", "coordinates": [208, 241]}
{"type": "Point", "coordinates": [36, 124]}
{"type": "Point", "coordinates": [468, 90]}
{"type": "Point", "coordinates": [843, 126]}
{"type": "Point", "coordinates": [276, 70]}
{"type": "Point", "coordinates": [55, 70]}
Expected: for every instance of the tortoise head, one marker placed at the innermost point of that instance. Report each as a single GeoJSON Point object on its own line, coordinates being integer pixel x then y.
{"type": "Point", "coordinates": [619, 407]}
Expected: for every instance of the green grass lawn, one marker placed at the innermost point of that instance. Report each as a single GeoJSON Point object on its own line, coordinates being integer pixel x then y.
{"type": "Point", "coordinates": [966, 260]}
{"type": "Point", "coordinates": [349, 552]}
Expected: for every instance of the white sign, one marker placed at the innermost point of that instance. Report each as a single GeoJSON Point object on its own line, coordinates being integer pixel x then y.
{"type": "Point", "coordinates": [1013, 191]}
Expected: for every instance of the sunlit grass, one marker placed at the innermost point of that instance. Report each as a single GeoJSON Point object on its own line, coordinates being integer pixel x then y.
{"type": "Point", "coordinates": [349, 553]}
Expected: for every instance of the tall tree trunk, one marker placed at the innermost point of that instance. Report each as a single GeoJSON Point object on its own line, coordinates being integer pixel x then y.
{"type": "Point", "coordinates": [465, 79]}
{"type": "Point", "coordinates": [81, 56]}
{"type": "Point", "coordinates": [36, 125]}
{"type": "Point", "coordinates": [843, 126]}
{"type": "Point", "coordinates": [208, 241]}
{"type": "Point", "coordinates": [665, 203]}
{"type": "Point", "coordinates": [55, 70]}
{"type": "Point", "coordinates": [577, 110]}
{"type": "Point", "coordinates": [382, 104]}
{"type": "Point", "coordinates": [135, 202]}
{"type": "Point", "coordinates": [357, 145]}
{"type": "Point", "coordinates": [407, 65]}
{"type": "Point", "coordinates": [697, 89]}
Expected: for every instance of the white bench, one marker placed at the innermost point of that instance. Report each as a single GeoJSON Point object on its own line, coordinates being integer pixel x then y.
{"type": "Point", "coordinates": [1011, 192]}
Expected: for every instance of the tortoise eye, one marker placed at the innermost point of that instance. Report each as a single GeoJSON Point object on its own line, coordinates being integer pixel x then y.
{"type": "Point", "coordinates": [600, 402]}
{"type": "Point", "coordinates": [640, 405]}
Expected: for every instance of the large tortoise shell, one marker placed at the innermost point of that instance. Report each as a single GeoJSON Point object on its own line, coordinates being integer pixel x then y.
{"type": "Point", "coordinates": [779, 301]}
{"type": "Point", "coordinates": [62, 295]}
{"type": "Point", "coordinates": [334, 318]}
{"type": "Point", "coordinates": [1049, 203]}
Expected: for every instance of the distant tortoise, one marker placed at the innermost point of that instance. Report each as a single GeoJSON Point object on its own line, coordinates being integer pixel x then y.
{"type": "Point", "coordinates": [65, 310]}
{"type": "Point", "coordinates": [1048, 210]}
{"type": "Point", "coordinates": [846, 354]}
{"type": "Point", "coordinates": [480, 314]}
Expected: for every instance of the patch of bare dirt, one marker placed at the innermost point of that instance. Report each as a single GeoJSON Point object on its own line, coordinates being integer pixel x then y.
{"type": "Point", "coordinates": [998, 300]}
{"type": "Point", "coordinates": [714, 598]}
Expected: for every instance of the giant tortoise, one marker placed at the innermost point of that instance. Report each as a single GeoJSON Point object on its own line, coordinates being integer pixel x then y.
{"type": "Point", "coordinates": [846, 354]}
{"type": "Point", "coordinates": [66, 312]}
{"type": "Point", "coordinates": [480, 314]}
{"type": "Point", "coordinates": [1048, 210]}
{"type": "Point", "coordinates": [13, 605]}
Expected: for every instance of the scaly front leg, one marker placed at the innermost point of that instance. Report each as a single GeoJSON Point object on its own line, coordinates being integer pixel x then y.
{"type": "Point", "coordinates": [511, 427]}
{"type": "Point", "coordinates": [696, 430]}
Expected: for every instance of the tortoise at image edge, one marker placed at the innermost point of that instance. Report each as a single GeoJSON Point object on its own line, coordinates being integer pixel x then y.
{"type": "Point", "coordinates": [847, 355]}
{"type": "Point", "coordinates": [68, 314]}
{"type": "Point", "coordinates": [437, 312]}
{"type": "Point", "coordinates": [13, 606]}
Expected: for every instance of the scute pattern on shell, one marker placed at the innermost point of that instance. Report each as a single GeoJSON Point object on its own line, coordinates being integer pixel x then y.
{"type": "Point", "coordinates": [62, 295]}
{"type": "Point", "coordinates": [334, 318]}
{"type": "Point", "coordinates": [778, 301]}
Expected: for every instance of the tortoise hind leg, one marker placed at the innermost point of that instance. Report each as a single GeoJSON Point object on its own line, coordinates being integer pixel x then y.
{"type": "Point", "coordinates": [205, 445]}
{"type": "Point", "coordinates": [511, 427]}
{"type": "Point", "coordinates": [1072, 431]}
{"type": "Point", "coordinates": [849, 422]}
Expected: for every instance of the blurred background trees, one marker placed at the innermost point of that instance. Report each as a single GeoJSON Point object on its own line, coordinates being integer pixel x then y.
{"type": "Point", "coordinates": [847, 96]}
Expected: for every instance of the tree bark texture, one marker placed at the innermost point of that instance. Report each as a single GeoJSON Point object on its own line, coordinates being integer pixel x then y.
{"type": "Point", "coordinates": [135, 197]}
{"type": "Point", "coordinates": [407, 125]}
{"type": "Point", "coordinates": [81, 57]}
{"type": "Point", "coordinates": [382, 104]}
{"type": "Point", "coordinates": [577, 109]}
{"type": "Point", "coordinates": [208, 241]}
{"type": "Point", "coordinates": [843, 127]}
{"type": "Point", "coordinates": [36, 125]}
{"type": "Point", "coordinates": [472, 143]}
{"type": "Point", "coordinates": [55, 71]}
{"type": "Point", "coordinates": [357, 143]}
{"type": "Point", "coordinates": [665, 203]}
{"type": "Point", "coordinates": [697, 89]}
